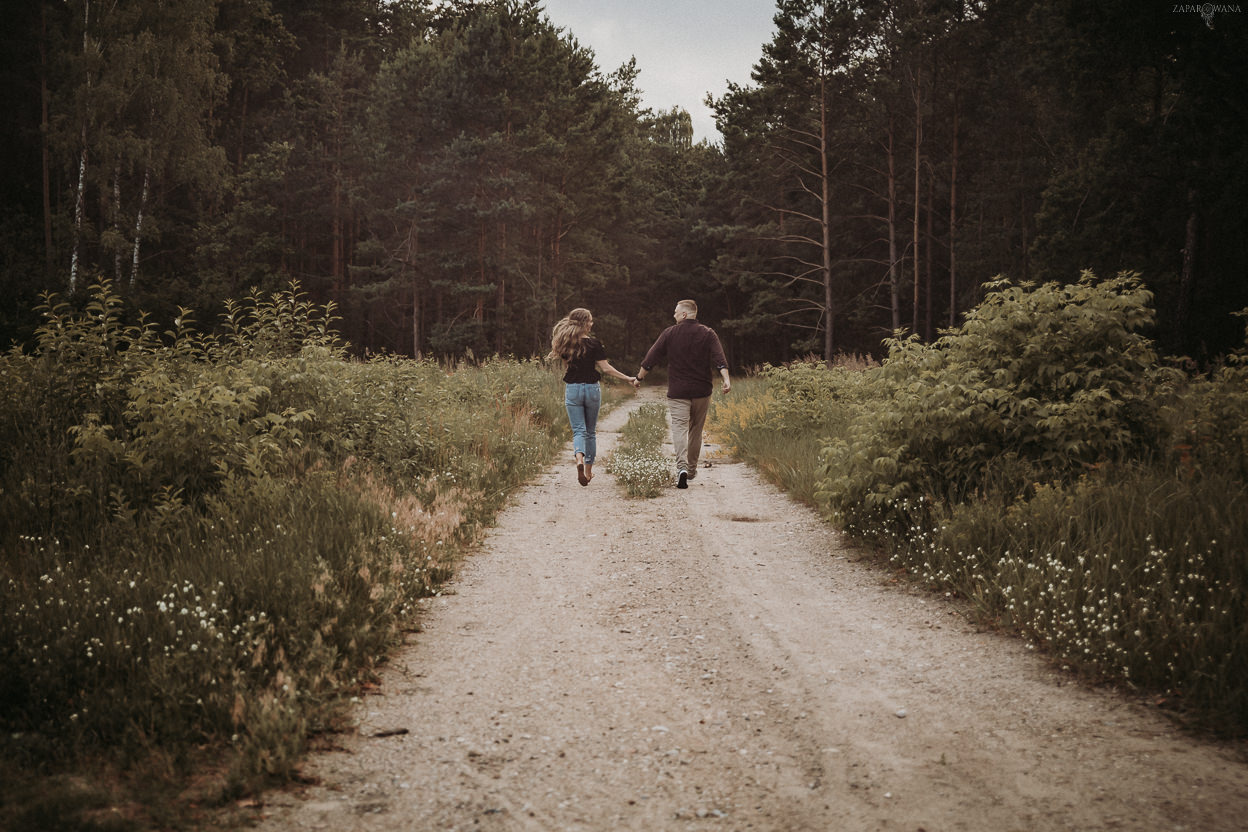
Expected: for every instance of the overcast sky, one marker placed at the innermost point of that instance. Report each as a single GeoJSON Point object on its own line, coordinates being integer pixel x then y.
{"type": "Point", "coordinates": [684, 48]}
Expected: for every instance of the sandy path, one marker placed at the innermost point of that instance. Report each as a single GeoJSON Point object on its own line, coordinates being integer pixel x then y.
{"type": "Point", "coordinates": [716, 659]}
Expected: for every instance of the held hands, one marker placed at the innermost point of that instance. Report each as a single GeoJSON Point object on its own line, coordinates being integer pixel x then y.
{"type": "Point", "coordinates": [636, 382]}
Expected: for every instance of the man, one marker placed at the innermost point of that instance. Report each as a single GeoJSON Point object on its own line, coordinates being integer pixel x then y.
{"type": "Point", "coordinates": [691, 350]}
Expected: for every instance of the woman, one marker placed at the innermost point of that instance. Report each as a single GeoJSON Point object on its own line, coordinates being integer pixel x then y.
{"type": "Point", "coordinates": [584, 360]}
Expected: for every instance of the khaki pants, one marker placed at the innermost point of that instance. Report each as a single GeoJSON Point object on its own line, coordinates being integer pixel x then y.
{"type": "Point", "coordinates": [688, 417]}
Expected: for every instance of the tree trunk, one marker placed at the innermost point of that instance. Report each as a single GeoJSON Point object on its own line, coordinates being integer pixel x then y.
{"type": "Point", "coordinates": [242, 132]}
{"type": "Point", "coordinates": [418, 309]}
{"type": "Point", "coordinates": [49, 257]}
{"type": "Point", "coordinates": [927, 258]}
{"type": "Point", "coordinates": [538, 334]}
{"type": "Point", "coordinates": [556, 265]}
{"type": "Point", "coordinates": [79, 208]}
{"type": "Point", "coordinates": [337, 256]}
{"type": "Point", "coordinates": [953, 219]}
{"type": "Point", "coordinates": [79, 201]}
{"type": "Point", "coordinates": [337, 247]}
{"type": "Point", "coordinates": [116, 212]}
{"type": "Point", "coordinates": [138, 226]}
{"type": "Point", "coordinates": [894, 276]}
{"type": "Point", "coordinates": [918, 145]}
{"type": "Point", "coordinates": [829, 311]}
{"type": "Point", "coordinates": [1022, 222]}
{"type": "Point", "coordinates": [500, 301]}
{"type": "Point", "coordinates": [1187, 280]}
{"type": "Point", "coordinates": [416, 313]}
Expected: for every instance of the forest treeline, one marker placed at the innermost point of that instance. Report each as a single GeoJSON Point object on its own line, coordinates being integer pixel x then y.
{"type": "Point", "coordinates": [455, 175]}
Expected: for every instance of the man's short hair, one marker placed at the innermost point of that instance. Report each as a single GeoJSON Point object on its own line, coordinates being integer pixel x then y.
{"type": "Point", "coordinates": [689, 306]}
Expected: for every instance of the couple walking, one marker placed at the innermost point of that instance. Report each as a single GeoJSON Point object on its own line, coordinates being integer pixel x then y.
{"type": "Point", "coordinates": [691, 350]}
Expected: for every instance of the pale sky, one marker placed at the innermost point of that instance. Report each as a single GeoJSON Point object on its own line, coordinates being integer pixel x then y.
{"type": "Point", "coordinates": [684, 48]}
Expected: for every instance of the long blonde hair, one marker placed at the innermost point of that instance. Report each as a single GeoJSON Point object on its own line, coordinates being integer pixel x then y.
{"type": "Point", "coordinates": [567, 339]}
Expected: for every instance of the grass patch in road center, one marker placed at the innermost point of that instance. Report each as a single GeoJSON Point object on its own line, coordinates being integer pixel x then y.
{"type": "Point", "coordinates": [638, 461]}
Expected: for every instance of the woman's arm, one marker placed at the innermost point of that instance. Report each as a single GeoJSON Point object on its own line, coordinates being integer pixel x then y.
{"type": "Point", "coordinates": [604, 366]}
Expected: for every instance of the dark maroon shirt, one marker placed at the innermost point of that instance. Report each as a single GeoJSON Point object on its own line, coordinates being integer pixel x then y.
{"type": "Point", "coordinates": [693, 354]}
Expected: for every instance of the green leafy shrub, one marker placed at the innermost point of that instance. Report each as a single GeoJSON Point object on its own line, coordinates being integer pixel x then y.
{"type": "Point", "coordinates": [1039, 384]}
{"type": "Point", "coordinates": [1211, 419]}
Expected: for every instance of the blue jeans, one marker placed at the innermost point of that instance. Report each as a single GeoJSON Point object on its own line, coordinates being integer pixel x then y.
{"type": "Point", "coordinates": [583, 402]}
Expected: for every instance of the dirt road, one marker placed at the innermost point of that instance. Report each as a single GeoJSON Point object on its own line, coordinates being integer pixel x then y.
{"type": "Point", "coordinates": [716, 658]}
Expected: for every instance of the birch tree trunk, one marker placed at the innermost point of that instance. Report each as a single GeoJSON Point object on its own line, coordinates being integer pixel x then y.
{"type": "Point", "coordinates": [46, 162]}
{"type": "Point", "coordinates": [138, 226]}
{"type": "Point", "coordinates": [116, 210]}
{"type": "Point", "coordinates": [79, 205]}
{"type": "Point", "coordinates": [80, 199]}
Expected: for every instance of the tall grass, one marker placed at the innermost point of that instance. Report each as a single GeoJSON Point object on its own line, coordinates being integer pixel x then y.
{"type": "Point", "coordinates": [210, 541]}
{"type": "Point", "coordinates": [1131, 574]}
{"type": "Point", "coordinates": [1043, 463]}
{"type": "Point", "coordinates": [779, 419]}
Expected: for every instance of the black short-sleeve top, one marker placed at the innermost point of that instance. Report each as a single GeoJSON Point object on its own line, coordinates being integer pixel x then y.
{"type": "Point", "coordinates": [581, 369]}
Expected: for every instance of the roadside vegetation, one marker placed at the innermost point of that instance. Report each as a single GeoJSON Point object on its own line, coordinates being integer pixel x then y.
{"type": "Point", "coordinates": [638, 461]}
{"type": "Point", "coordinates": [209, 541]}
{"type": "Point", "coordinates": [1044, 463]}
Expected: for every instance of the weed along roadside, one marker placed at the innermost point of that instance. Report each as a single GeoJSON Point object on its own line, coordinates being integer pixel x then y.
{"type": "Point", "coordinates": [211, 541]}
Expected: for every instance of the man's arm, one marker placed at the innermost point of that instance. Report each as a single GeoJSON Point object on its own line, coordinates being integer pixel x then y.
{"type": "Point", "coordinates": [656, 353]}
{"type": "Point", "coordinates": [721, 363]}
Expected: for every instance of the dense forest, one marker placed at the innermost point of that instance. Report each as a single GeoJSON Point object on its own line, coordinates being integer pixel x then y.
{"type": "Point", "coordinates": [453, 176]}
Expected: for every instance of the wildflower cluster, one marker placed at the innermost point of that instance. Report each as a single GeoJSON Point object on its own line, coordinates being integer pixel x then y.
{"type": "Point", "coordinates": [85, 651]}
{"type": "Point", "coordinates": [1101, 597]}
{"type": "Point", "coordinates": [638, 460]}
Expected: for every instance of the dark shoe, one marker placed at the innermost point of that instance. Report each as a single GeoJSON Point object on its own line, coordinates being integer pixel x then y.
{"type": "Point", "coordinates": [580, 474]}
{"type": "Point", "coordinates": [682, 479]}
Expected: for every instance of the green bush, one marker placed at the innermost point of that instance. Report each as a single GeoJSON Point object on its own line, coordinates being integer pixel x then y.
{"type": "Point", "coordinates": [1210, 421]}
{"type": "Point", "coordinates": [1038, 385]}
